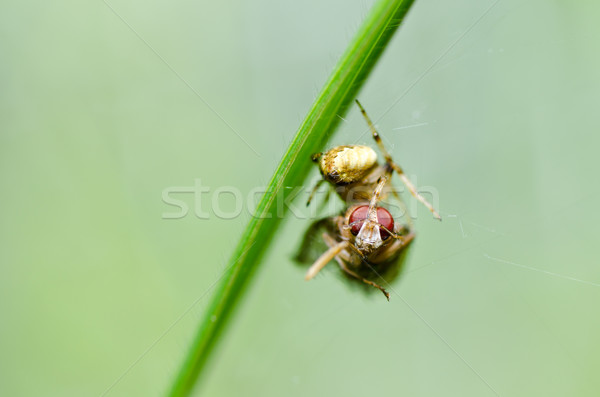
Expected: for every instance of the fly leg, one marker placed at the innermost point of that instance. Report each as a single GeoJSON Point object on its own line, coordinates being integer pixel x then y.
{"type": "Point", "coordinates": [332, 243]}
{"type": "Point", "coordinates": [324, 259]}
{"type": "Point", "coordinates": [364, 280]}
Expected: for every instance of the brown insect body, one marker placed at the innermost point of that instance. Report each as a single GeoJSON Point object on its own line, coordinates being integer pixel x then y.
{"type": "Point", "coordinates": [366, 239]}
{"type": "Point", "coordinates": [383, 252]}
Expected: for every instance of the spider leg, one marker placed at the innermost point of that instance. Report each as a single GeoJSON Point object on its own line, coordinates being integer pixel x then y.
{"type": "Point", "coordinates": [388, 158]}
{"type": "Point", "coordinates": [314, 190]}
{"type": "Point", "coordinates": [372, 214]}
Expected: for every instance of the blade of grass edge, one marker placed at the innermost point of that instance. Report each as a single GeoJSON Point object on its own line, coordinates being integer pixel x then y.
{"type": "Point", "coordinates": [344, 83]}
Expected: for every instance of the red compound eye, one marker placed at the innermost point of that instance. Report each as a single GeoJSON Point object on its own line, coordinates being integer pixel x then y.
{"type": "Point", "coordinates": [357, 218]}
{"type": "Point", "coordinates": [384, 218]}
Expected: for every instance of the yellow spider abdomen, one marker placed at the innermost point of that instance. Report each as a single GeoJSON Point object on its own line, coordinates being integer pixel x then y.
{"type": "Point", "coordinates": [347, 164]}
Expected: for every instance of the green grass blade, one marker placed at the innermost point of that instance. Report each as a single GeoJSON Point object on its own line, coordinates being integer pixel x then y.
{"type": "Point", "coordinates": [337, 94]}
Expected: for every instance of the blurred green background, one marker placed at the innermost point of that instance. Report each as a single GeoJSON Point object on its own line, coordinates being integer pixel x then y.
{"type": "Point", "coordinates": [99, 293]}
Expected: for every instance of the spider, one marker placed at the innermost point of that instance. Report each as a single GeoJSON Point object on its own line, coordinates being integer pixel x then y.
{"type": "Point", "coordinates": [365, 240]}
{"type": "Point", "coordinates": [353, 170]}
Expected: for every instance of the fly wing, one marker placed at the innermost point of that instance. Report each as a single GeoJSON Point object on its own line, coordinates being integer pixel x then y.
{"type": "Point", "coordinates": [312, 244]}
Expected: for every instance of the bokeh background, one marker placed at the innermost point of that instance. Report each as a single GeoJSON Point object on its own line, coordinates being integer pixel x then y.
{"type": "Point", "coordinates": [102, 109]}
